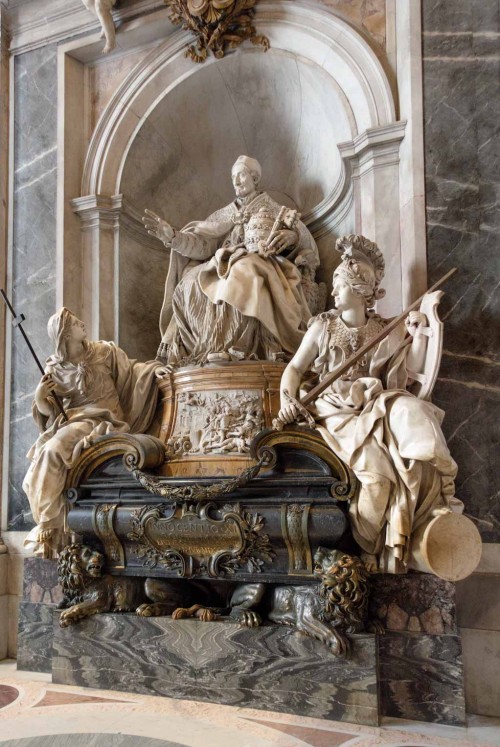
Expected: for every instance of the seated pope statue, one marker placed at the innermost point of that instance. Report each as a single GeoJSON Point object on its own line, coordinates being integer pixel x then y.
{"type": "Point", "coordinates": [239, 283]}
{"type": "Point", "coordinates": [390, 438]}
{"type": "Point", "coordinates": [103, 392]}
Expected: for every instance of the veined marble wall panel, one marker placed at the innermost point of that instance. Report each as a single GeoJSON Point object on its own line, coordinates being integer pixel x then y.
{"type": "Point", "coordinates": [143, 271]}
{"type": "Point", "coordinates": [34, 250]}
{"type": "Point", "coordinates": [461, 107]}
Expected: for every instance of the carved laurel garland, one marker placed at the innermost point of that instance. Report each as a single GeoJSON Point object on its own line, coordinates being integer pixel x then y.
{"type": "Point", "coordinates": [218, 25]}
{"type": "Point", "coordinates": [200, 492]}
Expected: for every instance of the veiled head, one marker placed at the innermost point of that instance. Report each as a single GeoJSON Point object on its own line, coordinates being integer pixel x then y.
{"type": "Point", "coordinates": [62, 327]}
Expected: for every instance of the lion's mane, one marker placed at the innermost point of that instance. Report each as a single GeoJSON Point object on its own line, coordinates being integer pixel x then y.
{"type": "Point", "coordinates": [344, 593]}
{"type": "Point", "coordinates": [72, 575]}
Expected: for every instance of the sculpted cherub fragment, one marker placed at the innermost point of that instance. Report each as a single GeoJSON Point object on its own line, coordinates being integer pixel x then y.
{"type": "Point", "coordinates": [103, 392]}
{"type": "Point", "coordinates": [391, 439]}
{"type": "Point", "coordinates": [102, 9]}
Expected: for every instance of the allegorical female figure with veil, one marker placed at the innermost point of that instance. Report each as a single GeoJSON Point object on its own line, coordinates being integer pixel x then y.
{"type": "Point", "coordinates": [391, 439]}
{"type": "Point", "coordinates": [230, 293]}
{"type": "Point", "coordinates": [103, 392]}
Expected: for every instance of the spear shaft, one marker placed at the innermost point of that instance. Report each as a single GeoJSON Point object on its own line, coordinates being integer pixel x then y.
{"type": "Point", "coordinates": [18, 322]}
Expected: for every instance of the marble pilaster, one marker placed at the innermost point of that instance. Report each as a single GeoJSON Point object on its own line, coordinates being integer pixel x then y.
{"type": "Point", "coordinates": [461, 68]}
{"type": "Point", "coordinates": [33, 253]}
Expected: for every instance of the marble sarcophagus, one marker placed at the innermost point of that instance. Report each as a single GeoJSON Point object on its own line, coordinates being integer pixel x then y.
{"type": "Point", "coordinates": [262, 525]}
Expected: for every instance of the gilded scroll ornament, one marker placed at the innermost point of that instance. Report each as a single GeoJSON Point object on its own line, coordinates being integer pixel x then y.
{"type": "Point", "coordinates": [201, 540]}
{"type": "Point", "coordinates": [294, 520]}
{"type": "Point", "coordinates": [103, 521]}
{"type": "Point", "coordinates": [219, 25]}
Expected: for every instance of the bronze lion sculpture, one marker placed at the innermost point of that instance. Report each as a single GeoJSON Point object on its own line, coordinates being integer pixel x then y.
{"type": "Point", "coordinates": [338, 605]}
{"type": "Point", "coordinates": [88, 592]}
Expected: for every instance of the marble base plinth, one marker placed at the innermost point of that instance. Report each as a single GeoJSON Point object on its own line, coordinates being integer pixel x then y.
{"type": "Point", "coordinates": [41, 594]}
{"type": "Point", "coordinates": [271, 667]}
{"type": "Point", "coordinates": [34, 637]}
{"type": "Point", "coordinates": [421, 677]}
{"type": "Point", "coordinates": [420, 670]}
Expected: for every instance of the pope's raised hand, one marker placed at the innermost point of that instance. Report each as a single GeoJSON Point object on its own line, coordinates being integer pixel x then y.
{"type": "Point", "coordinates": [158, 227]}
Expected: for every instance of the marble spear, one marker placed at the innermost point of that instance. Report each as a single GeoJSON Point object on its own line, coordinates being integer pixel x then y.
{"type": "Point", "coordinates": [18, 322]}
{"type": "Point", "coordinates": [334, 375]}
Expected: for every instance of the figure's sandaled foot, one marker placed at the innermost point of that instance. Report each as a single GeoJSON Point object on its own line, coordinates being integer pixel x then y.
{"type": "Point", "coordinates": [221, 355]}
{"type": "Point", "coordinates": [47, 540]}
{"type": "Point", "coordinates": [370, 562]}
{"type": "Point", "coordinates": [205, 614]}
{"type": "Point", "coordinates": [237, 354]}
{"type": "Point", "coordinates": [278, 356]}
{"type": "Point", "coordinates": [247, 618]}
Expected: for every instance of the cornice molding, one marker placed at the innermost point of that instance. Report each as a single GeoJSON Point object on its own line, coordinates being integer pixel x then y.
{"type": "Point", "coordinates": [35, 23]}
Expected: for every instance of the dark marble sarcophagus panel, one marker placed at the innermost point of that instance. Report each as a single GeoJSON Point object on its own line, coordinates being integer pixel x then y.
{"type": "Point", "coordinates": [271, 667]}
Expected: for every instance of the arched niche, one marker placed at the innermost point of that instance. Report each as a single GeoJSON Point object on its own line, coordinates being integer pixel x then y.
{"type": "Point", "coordinates": [318, 111]}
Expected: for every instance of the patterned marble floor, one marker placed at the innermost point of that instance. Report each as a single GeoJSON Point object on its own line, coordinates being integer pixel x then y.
{"type": "Point", "coordinates": [36, 713]}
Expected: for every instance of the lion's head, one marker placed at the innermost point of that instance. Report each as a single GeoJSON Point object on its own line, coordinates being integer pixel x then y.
{"type": "Point", "coordinates": [77, 565]}
{"type": "Point", "coordinates": [343, 588]}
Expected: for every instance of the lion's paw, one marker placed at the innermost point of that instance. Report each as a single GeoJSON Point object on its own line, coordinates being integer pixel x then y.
{"type": "Point", "coordinates": [145, 610]}
{"type": "Point", "coordinates": [339, 644]}
{"type": "Point", "coordinates": [247, 618]}
{"type": "Point", "coordinates": [68, 617]}
{"type": "Point", "coordinates": [205, 614]}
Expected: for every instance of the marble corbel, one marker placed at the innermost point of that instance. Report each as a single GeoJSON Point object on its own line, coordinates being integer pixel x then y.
{"type": "Point", "coordinates": [100, 216]}
{"type": "Point", "coordinates": [372, 162]}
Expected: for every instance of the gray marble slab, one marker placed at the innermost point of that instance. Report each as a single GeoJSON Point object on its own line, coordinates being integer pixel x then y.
{"type": "Point", "coordinates": [34, 638]}
{"type": "Point", "coordinates": [271, 667]}
{"type": "Point", "coordinates": [461, 70]}
{"type": "Point", "coordinates": [421, 677]}
{"type": "Point", "coordinates": [34, 253]}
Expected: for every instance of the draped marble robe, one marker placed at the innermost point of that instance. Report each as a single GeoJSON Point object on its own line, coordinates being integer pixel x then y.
{"type": "Point", "coordinates": [256, 306]}
{"type": "Point", "coordinates": [105, 393]}
{"type": "Point", "coordinates": [379, 429]}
